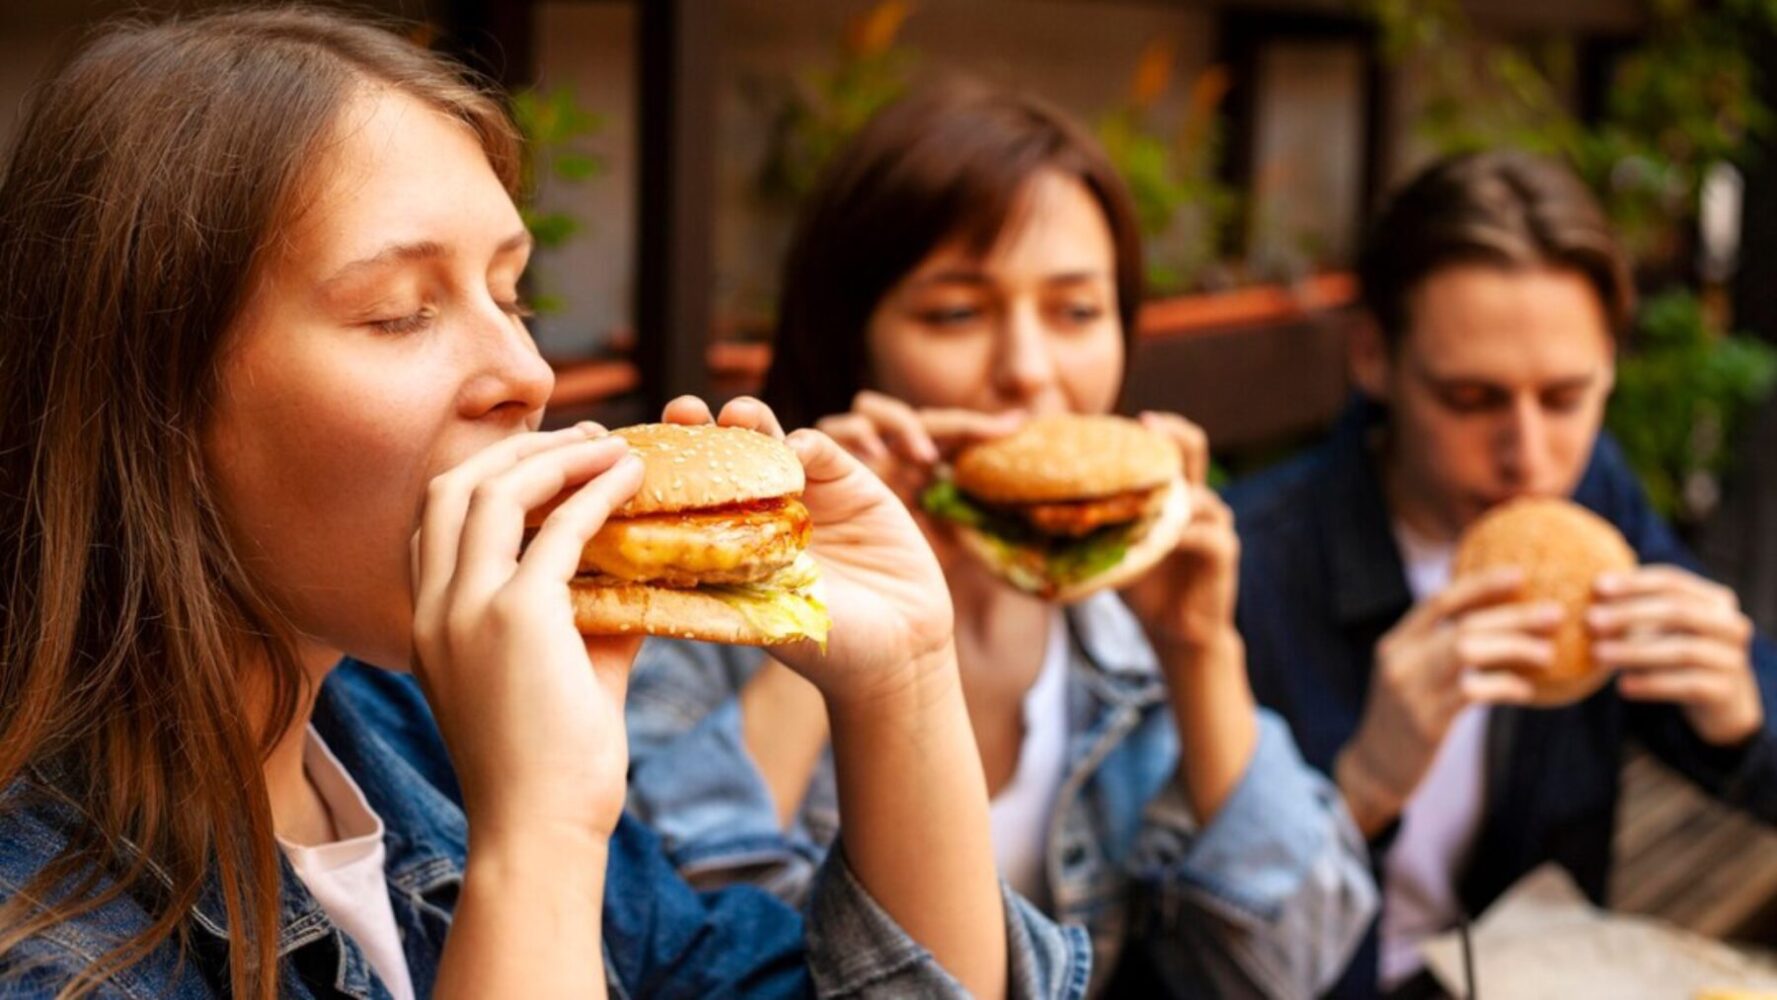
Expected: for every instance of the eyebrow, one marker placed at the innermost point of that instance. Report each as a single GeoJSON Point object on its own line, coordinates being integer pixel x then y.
{"type": "Point", "coordinates": [1576, 382]}
{"type": "Point", "coordinates": [401, 253]}
{"type": "Point", "coordinates": [959, 276]}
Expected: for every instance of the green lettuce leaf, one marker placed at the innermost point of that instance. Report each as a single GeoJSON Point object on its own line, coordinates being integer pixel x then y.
{"type": "Point", "coordinates": [1063, 561]}
{"type": "Point", "coordinates": [784, 606]}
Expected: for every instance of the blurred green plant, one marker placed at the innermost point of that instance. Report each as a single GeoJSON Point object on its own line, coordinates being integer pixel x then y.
{"type": "Point", "coordinates": [823, 108]}
{"type": "Point", "coordinates": [1683, 99]}
{"type": "Point", "coordinates": [555, 128]}
{"type": "Point", "coordinates": [1182, 204]}
{"type": "Point", "coordinates": [1682, 396]}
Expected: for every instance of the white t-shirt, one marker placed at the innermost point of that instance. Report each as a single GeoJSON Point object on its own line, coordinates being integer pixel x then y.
{"type": "Point", "coordinates": [346, 876]}
{"type": "Point", "coordinates": [1020, 813]}
{"type": "Point", "coordinates": [1443, 817]}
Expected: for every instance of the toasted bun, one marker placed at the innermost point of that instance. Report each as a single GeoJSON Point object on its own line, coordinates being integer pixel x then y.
{"type": "Point", "coordinates": [1067, 457]}
{"type": "Point", "coordinates": [691, 466]}
{"type": "Point", "coordinates": [1561, 548]}
{"type": "Point", "coordinates": [1159, 538]}
{"type": "Point", "coordinates": [638, 609]}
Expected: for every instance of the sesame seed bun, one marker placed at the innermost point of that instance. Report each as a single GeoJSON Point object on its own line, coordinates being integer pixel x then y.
{"type": "Point", "coordinates": [640, 609]}
{"type": "Point", "coordinates": [711, 547]}
{"type": "Point", "coordinates": [1067, 457]}
{"type": "Point", "coordinates": [703, 465]}
{"type": "Point", "coordinates": [1562, 548]}
{"type": "Point", "coordinates": [1151, 544]}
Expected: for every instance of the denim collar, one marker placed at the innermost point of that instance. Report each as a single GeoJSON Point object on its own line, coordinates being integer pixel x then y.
{"type": "Point", "coordinates": [425, 836]}
{"type": "Point", "coordinates": [1117, 660]}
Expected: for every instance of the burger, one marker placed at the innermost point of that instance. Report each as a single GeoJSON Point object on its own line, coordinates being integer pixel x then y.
{"type": "Point", "coordinates": [1561, 548]}
{"type": "Point", "coordinates": [713, 546]}
{"type": "Point", "coordinates": [1066, 505]}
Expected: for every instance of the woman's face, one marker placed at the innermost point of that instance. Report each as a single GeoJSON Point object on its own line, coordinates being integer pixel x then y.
{"type": "Point", "coordinates": [382, 345]}
{"type": "Point", "coordinates": [1032, 324]}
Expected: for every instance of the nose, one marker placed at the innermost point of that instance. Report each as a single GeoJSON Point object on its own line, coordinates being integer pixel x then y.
{"type": "Point", "coordinates": [1024, 370]}
{"type": "Point", "coordinates": [1524, 452]}
{"type": "Point", "coordinates": [507, 375]}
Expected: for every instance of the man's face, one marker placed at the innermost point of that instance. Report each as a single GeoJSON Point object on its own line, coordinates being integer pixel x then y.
{"type": "Point", "coordinates": [1496, 390]}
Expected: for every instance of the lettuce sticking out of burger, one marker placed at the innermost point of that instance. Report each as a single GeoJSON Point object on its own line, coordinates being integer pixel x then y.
{"type": "Point", "coordinates": [1066, 505]}
{"type": "Point", "coordinates": [713, 546]}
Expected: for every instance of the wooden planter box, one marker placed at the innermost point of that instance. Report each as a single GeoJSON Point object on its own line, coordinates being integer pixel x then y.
{"type": "Point", "coordinates": [1254, 366]}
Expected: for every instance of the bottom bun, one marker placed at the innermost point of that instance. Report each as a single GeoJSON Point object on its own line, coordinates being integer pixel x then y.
{"type": "Point", "coordinates": [1157, 539]}
{"type": "Point", "coordinates": [638, 609]}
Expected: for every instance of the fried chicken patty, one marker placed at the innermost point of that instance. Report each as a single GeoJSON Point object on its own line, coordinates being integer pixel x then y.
{"type": "Point", "coordinates": [1075, 519]}
{"type": "Point", "coordinates": [710, 546]}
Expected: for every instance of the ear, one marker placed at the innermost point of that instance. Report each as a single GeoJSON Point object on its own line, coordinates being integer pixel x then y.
{"type": "Point", "coordinates": [1368, 358]}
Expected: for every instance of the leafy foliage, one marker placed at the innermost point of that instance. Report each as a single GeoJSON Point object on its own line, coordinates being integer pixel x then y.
{"type": "Point", "coordinates": [1680, 398]}
{"type": "Point", "coordinates": [555, 129]}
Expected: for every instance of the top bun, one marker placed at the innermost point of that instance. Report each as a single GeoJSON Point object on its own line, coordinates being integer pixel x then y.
{"type": "Point", "coordinates": [687, 466]}
{"type": "Point", "coordinates": [1067, 457]}
{"type": "Point", "coordinates": [1562, 548]}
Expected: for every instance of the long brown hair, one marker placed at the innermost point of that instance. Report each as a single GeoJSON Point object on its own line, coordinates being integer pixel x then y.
{"type": "Point", "coordinates": [146, 181]}
{"type": "Point", "coordinates": [1503, 208]}
{"type": "Point", "coordinates": [946, 162]}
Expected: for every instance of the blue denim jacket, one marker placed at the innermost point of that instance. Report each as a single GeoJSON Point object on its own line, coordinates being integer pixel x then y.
{"type": "Point", "coordinates": [1268, 900]}
{"type": "Point", "coordinates": [1321, 580]}
{"type": "Point", "coordinates": [661, 937]}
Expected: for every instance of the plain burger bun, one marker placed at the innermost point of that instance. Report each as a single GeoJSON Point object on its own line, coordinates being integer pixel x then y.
{"type": "Point", "coordinates": [1067, 457]}
{"type": "Point", "coordinates": [687, 466]}
{"type": "Point", "coordinates": [1562, 549]}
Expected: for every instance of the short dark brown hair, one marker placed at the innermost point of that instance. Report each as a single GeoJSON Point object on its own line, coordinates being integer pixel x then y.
{"type": "Point", "coordinates": [1503, 208]}
{"type": "Point", "coordinates": [949, 161]}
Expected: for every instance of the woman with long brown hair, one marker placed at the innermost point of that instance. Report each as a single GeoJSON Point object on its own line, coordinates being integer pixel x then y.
{"type": "Point", "coordinates": [970, 260]}
{"type": "Point", "coordinates": [267, 398]}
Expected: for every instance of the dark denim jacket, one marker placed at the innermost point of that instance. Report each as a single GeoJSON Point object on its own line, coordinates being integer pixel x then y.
{"type": "Point", "coordinates": [1321, 581]}
{"type": "Point", "coordinates": [661, 938]}
{"type": "Point", "coordinates": [1267, 900]}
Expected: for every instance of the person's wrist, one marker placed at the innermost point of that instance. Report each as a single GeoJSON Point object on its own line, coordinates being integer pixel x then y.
{"type": "Point", "coordinates": [1190, 648]}
{"type": "Point", "coordinates": [1371, 798]}
{"type": "Point", "coordinates": [923, 681]}
{"type": "Point", "coordinates": [540, 853]}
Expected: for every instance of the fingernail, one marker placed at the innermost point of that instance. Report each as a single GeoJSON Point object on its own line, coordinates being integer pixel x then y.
{"type": "Point", "coordinates": [590, 428]}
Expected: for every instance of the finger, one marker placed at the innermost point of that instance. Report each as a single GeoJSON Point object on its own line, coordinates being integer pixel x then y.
{"type": "Point", "coordinates": [1192, 442]}
{"type": "Point", "coordinates": [1654, 580]}
{"type": "Point", "coordinates": [1533, 618]}
{"type": "Point", "coordinates": [750, 413]}
{"type": "Point", "coordinates": [493, 529]}
{"type": "Point", "coordinates": [1493, 586]}
{"type": "Point", "coordinates": [554, 553]}
{"type": "Point", "coordinates": [831, 472]}
{"type": "Point", "coordinates": [1686, 687]}
{"type": "Point", "coordinates": [951, 429]}
{"type": "Point", "coordinates": [687, 410]}
{"type": "Point", "coordinates": [1496, 687]}
{"type": "Point", "coordinates": [1668, 652]}
{"type": "Point", "coordinates": [1685, 612]}
{"type": "Point", "coordinates": [857, 435]}
{"type": "Point", "coordinates": [1208, 507]}
{"type": "Point", "coordinates": [447, 501]}
{"type": "Point", "coordinates": [899, 427]}
{"type": "Point", "coordinates": [1502, 651]}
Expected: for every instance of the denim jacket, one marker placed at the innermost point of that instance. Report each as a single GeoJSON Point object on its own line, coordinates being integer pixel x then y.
{"type": "Point", "coordinates": [661, 937]}
{"type": "Point", "coordinates": [1321, 581]}
{"type": "Point", "coordinates": [1267, 900]}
